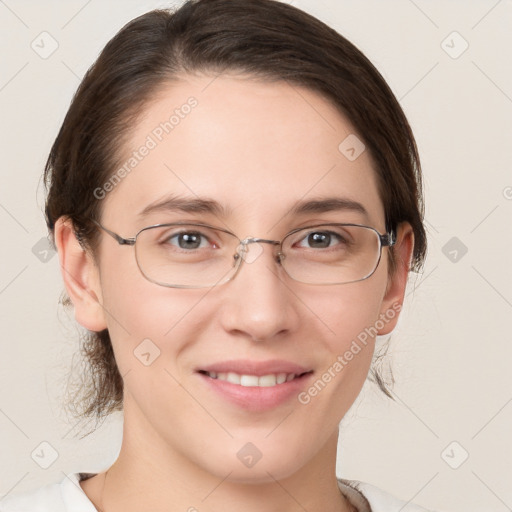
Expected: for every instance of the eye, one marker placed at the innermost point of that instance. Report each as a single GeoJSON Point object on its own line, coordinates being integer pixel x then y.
{"type": "Point", "coordinates": [187, 240]}
{"type": "Point", "coordinates": [321, 239]}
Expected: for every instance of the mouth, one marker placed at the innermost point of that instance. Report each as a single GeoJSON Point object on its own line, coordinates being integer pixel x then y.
{"type": "Point", "coordinates": [255, 393]}
{"type": "Point", "coordinates": [261, 381]}
{"type": "Point", "coordinates": [255, 385]}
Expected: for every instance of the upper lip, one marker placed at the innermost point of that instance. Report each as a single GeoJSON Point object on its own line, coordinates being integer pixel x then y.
{"type": "Point", "coordinates": [259, 368]}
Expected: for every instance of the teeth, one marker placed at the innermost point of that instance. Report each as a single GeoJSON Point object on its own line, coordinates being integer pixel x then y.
{"type": "Point", "coordinates": [234, 378]}
{"type": "Point", "coordinates": [282, 377]}
{"type": "Point", "coordinates": [253, 380]}
{"type": "Point", "coordinates": [266, 381]}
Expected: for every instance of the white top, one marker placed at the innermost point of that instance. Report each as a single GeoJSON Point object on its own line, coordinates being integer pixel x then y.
{"type": "Point", "coordinates": [68, 496]}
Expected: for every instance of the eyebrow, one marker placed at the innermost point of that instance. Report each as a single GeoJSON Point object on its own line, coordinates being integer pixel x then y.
{"type": "Point", "coordinates": [328, 204]}
{"type": "Point", "coordinates": [187, 205]}
{"type": "Point", "coordinates": [207, 205]}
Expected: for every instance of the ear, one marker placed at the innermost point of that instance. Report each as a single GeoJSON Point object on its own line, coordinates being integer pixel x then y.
{"type": "Point", "coordinates": [395, 291]}
{"type": "Point", "coordinates": [81, 277]}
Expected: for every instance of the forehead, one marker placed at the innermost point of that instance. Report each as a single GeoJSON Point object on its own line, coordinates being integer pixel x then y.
{"type": "Point", "coordinates": [256, 148]}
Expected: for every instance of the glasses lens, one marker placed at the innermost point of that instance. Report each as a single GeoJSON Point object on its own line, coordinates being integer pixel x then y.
{"type": "Point", "coordinates": [186, 255]}
{"type": "Point", "coordinates": [199, 256]}
{"type": "Point", "coordinates": [331, 254]}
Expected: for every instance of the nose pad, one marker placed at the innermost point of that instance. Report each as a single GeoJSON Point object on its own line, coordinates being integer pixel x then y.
{"type": "Point", "coordinates": [252, 254]}
{"type": "Point", "coordinates": [241, 255]}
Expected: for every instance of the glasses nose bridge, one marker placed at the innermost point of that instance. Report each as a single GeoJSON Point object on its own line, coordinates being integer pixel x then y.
{"type": "Point", "coordinates": [252, 240]}
{"type": "Point", "coordinates": [243, 245]}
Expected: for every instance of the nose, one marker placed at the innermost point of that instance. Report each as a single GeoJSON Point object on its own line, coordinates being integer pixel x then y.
{"type": "Point", "coordinates": [258, 302]}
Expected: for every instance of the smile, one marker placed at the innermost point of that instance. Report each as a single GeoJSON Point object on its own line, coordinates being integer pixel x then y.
{"type": "Point", "coordinates": [269, 380]}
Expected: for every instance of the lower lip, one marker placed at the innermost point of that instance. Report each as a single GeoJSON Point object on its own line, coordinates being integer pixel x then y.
{"type": "Point", "coordinates": [255, 398]}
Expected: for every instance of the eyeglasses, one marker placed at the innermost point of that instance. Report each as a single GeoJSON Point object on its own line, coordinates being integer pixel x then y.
{"type": "Point", "coordinates": [188, 255]}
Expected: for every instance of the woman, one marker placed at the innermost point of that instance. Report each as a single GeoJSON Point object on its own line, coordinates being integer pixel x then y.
{"type": "Point", "coordinates": [235, 197]}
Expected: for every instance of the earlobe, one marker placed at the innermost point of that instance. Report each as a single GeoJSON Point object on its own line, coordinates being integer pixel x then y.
{"type": "Point", "coordinates": [395, 291]}
{"type": "Point", "coordinates": [81, 277]}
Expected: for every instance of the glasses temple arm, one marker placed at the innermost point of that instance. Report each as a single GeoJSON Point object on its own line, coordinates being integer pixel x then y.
{"type": "Point", "coordinates": [389, 239]}
{"type": "Point", "coordinates": [120, 240]}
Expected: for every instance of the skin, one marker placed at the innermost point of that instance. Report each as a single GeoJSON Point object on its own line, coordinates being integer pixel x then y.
{"type": "Point", "coordinates": [257, 148]}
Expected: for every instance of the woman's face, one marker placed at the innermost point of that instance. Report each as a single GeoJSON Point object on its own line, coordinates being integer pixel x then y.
{"type": "Point", "coordinates": [257, 149]}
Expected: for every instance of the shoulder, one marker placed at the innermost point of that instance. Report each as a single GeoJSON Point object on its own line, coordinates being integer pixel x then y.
{"type": "Point", "coordinates": [369, 498]}
{"type": "Point", "coordinates": [39, 500]}
{"type": "Point", "coordinates": [65, 496]}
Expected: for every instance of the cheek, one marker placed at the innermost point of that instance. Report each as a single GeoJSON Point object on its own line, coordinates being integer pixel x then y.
{"type": "Point", "coordinates": [144, 318]}
{"type": "Point", "coordinates": [347, 311]}
{"type": "Point", "coordinates": [347, 318]}
{"type": "Point", "coordinates": [341, 322]}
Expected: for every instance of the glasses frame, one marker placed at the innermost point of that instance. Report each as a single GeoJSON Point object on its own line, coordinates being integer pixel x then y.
{"type": "Point", "coordinates": [385, 240]}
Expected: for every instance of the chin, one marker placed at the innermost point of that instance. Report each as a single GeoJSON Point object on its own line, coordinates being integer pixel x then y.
{"type": "Point", "coordinates": [248, 465]}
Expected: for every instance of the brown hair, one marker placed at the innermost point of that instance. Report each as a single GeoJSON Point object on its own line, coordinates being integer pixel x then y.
{"type": "Point", "coordinates": [265, 39]}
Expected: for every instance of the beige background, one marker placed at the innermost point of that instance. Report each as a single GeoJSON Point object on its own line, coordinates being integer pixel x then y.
{"type": "Point", "coordinates": [452, 350]}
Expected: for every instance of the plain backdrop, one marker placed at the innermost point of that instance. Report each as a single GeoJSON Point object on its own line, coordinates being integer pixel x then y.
{"type": "Point", "coordinates": [445, 442]}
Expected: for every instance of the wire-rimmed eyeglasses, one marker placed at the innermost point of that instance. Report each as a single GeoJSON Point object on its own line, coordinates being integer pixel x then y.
{"type": "Point", "coordinates": [195, 255]}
